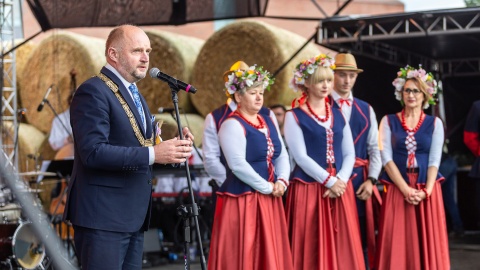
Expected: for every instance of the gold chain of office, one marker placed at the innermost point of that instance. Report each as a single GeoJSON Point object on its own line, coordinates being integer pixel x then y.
{"type": "Point", "coordinates": [114, 87]}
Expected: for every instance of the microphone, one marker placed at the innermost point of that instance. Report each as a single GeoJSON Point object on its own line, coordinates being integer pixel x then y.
{"type": "Point", "coordinates": [22, 111]}
{"type": "Point", "coordinates": [156, 73]}
{"type": "Point", "coordinates": [165, 110]}
{"type": "Point", "coordinates": [40, 106]}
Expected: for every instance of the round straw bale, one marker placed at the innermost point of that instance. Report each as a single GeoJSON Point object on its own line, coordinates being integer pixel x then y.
{"type": "Point", "coordinates": [22, 54]}
{"type": "Point", "coordinates": [254, 43]}
{"type": "Point", "coordinates": [53, 60]}
{"type": "Point", "coordinates": [175, 55]}
{"type": "Point", "coordinates": [29, 143]}
{"type": "Point", "coordinates": [193, 121]}
{"type": "Point", "coordinates": [33, 148]}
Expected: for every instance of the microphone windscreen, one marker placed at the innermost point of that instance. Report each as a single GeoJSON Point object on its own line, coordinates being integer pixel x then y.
{"type": "Point", "coordinates": [153, 72]}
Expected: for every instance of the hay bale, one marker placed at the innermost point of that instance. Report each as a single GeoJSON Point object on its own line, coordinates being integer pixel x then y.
{"type": "Point", "coordinates": [30, 140]}
{"type": "Point", "coordinates": [22, 54]}
{"type": "Point", "coordinates": [255, 43]}
{"type": "Point", "coordinates": [175, 55]}
{"type": "Point", "coordinates": [193, 121]}
{"type": "Point", "coordinates": [33, 148]}
{"type": "Point", "coordinates": [53, 60]}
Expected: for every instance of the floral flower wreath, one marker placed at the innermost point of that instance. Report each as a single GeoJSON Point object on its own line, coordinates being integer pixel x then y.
{"type": "Point", "coordinates": [410, 72]}
{"type": "Point", "coordinates": [245, 78]}
{"type": "Point", "coordinates": [307, 68]}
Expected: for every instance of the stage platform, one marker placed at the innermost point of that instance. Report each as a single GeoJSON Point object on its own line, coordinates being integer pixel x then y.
{"type": "Point", "coordinates": [464, 254]}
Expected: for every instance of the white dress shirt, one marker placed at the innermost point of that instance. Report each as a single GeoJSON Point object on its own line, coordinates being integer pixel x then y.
{"type": "Point", "coordinates": [375, 161]}
{"type": "Point", "coordinates": [211, 147]}
{"type": "Point", "coordinates": [61, 130]}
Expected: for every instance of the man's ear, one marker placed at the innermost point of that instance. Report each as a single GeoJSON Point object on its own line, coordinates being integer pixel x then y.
{"type": "Point", "coordinates": [112, 53]}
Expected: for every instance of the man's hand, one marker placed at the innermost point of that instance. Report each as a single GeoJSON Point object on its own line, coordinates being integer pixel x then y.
{"type": "Point", "coordinates": [187, 135]}
{"type": "Point", "coordinates": [365, 190]}
{"type": "Point", "coordinates": [173, 151]}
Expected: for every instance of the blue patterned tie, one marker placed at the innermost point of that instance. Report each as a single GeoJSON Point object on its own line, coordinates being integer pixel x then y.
{"type": "Point", "coordinates": [136, 98]}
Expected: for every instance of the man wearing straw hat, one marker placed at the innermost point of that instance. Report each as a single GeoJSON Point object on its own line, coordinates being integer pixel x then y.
{"type": "Point", "coordinates": [368, 164]}
{"type": "Point", "coordinates": [109, 194]}
{"type": "Point", "coordinates": [213, 162]}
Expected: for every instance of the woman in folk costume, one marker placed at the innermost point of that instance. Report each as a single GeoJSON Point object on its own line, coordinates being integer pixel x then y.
{"type": "Point", "coordinates": [412, 232]}
{"type": "Point", "coordinates": [250, 230]}
{"type": "Point", "coordinates": [320, 208]}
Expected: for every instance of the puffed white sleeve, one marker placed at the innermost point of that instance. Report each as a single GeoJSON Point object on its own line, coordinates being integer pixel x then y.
{"type": "Point", "coordinates": [296, 145]}
{"type": "Point", "coordinates": [375, 161]}
{"type": "Point", "coordinates": [385, 141]}
{"type": "Point", "coordinates": [438, 136]}
{"type": "Point", "coordinates": [234, 144]}
{"type": "Point", "coordinates": [282, 163]}
{"type": "Point", "coordinates": [348, 153]}
{"type": "Point", "coordinates": [211, 151]}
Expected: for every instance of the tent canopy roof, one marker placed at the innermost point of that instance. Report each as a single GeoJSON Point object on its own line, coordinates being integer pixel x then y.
{"type": "Point", "coordinates": [98, 13]}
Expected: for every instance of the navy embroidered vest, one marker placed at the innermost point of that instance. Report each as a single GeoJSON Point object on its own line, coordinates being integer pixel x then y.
{"type": "Point", "coordinates": [256, 156]}
{"type": "Point", "coordinates": [315, 137]}
{"type": "Point", "coordinates": [423, 137]}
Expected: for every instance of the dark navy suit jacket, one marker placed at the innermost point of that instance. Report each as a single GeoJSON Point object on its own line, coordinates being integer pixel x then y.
{"type": "Point", "coordinates": [110, 188]}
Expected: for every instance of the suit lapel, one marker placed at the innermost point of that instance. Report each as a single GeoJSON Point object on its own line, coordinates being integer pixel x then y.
{"type": "Point", "coordinates": [128, 98]}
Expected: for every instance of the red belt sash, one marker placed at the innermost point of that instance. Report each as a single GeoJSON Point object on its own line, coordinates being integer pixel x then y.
{"type": "Point", "coordinates": [369, 212]}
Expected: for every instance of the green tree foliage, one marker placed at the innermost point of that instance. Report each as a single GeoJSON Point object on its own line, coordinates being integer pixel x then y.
{"type": "Point", "coordinates": [472, 3]}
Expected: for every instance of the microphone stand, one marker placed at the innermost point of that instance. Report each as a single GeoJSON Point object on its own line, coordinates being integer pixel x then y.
{"type": "Point", "coordinates": [194, 146]}
{"type": "Point", "coordinates": [56, 115]}
{"type": "Point", "coordinates": [191, 210]}
{"type": "Point", "coordinates": [15, 145]}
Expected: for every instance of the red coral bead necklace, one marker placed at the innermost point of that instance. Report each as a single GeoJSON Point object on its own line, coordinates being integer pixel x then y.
{"type": "Point", "coordinates": [404, 124]}
{"type": "Point", "coordinates": [327, 112]}
{"type": "Point", "coordinates": [260, 120]}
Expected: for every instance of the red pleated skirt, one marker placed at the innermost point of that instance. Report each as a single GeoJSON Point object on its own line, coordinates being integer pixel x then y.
{"type": "Point", "coordinates": [324, 233]}
{"type": "Point", "coordinates": [249, 232]}
{"type": "Point", "coordinates": [412, 237]}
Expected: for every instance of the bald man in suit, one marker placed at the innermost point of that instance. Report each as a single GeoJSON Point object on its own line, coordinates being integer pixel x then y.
{"type": "Point", "coordinates": [109, 194]}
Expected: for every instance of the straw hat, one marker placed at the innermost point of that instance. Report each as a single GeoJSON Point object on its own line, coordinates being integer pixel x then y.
{"type": "Point", "coordinates": [346, 61]}
{"type": "Point", "coordinates": [238, 65]}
